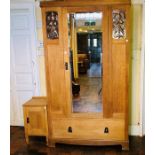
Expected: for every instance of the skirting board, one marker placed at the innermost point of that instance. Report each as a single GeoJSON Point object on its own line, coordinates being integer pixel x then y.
{"type": "Point", "coordinates": [137, 1]}
{"type": "Point", "coordinates": [16, 123]}
{"type": "Point", "coordinates": [135, 130]}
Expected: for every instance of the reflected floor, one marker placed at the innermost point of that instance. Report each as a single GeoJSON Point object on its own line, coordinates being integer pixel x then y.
{"type": "Point", "coordinates": [89, 99]}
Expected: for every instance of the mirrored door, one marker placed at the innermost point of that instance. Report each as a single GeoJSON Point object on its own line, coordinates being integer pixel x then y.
{"type": "Point", "coordinates": [86, 62]}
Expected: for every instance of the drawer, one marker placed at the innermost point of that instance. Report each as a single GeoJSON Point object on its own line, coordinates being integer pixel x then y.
{"type": "Point", "coordinates": [107, 129]}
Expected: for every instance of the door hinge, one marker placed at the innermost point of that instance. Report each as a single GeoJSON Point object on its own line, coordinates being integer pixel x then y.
{"type": "Point", "coordinates": [28, 120]}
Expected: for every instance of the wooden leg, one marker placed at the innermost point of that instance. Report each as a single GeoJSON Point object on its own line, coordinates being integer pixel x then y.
{"type": "Point", "coordinates": [27, 139]}
{"type": "Point", "coordinates": [47, 140]}
{"type": "Point", "coordinates": [125, 146]}
{"type": "Point", "coordinates": [51, 143]}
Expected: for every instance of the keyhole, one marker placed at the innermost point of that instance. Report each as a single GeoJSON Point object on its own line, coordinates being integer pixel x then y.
{"type": "Point", "coordinates": [106, 130]}
{"type": "Point", "coordinates": [69, 129]}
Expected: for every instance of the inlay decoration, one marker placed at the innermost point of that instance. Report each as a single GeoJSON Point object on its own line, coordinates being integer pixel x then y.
{"type": "Point", "coordinates": [119, 24]}
{"type": "Point", "coordinates": [52, 25]}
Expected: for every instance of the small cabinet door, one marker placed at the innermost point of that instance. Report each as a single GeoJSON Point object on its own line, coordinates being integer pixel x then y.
{"type": "Point", "coordinates": [36, 120]}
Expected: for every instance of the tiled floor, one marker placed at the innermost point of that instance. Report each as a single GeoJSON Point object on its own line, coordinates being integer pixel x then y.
{"type": "Point", "coordinates": [38, 146]}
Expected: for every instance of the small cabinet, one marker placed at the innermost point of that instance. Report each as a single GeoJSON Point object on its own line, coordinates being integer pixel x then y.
{"type": "Point", "coordinates": [35, 118]}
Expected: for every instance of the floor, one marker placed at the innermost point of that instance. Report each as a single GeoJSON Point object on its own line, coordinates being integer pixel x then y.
{"type": "Point", "coordinates": [89, 98]}
{"type": "Point", "coordinates": [38, 146]}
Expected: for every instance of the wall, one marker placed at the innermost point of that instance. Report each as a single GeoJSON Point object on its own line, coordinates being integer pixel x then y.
{"type": "Point", "coordinates": [41, 60]}
{"type": "Point", "coordinates": [137, 73]}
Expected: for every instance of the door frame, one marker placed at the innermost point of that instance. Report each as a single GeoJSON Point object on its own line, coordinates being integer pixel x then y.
{"type": "Point", "coordinates": [105, 55]}
{"type": "Point", "coordinates": [35, 71]}
{"type": "Point", "coordinates": [31, 6]}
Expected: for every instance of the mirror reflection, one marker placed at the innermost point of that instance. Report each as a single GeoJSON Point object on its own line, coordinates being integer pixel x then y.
{"type": "Point", "coordinates": [85, 42]}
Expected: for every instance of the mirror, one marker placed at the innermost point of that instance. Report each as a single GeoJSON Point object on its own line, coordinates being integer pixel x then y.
{"type": "Point", "coordinates": [85, 43]}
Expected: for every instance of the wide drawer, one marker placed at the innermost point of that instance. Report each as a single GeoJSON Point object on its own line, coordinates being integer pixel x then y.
{"type": "Point", "coordinates": [107, 129]}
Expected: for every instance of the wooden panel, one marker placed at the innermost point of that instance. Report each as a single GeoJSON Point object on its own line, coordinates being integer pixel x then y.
{"type": "Point", "coordinates": [120, 49]}
{"type": "Point", "coordinates": [68, 85]}
{"type": "Point", "coordinates": [55, 67]}
{"type": "Point", "coordinates": [106, 84]}
{"type": "Point", "coordinates": [74, 3]}
{"type": "Point", "coordinates": [37, 121]}
{"type": "Point", "coordinates": [36, 101]}
{"type": "Point", "coordinates": [89, 129]}
{"type": "Point", "coordinates": [119, 65]}
{"type": "Point", "coordinates": [25, 124]}
{"type": "Point", "coordinates": [55, 70]}
{"type": "Point", "coordinates": [119, 77]}
{"type": "Point", "coordinates": [57, 78]}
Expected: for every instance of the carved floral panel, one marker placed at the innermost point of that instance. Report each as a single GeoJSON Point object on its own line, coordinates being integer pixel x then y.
{"type": "Point", "coordinates": [119, 24]}
{"type": "Point", "coordinates": [52, 25]}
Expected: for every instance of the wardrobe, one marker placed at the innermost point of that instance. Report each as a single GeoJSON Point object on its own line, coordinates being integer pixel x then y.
{"type": "Point", "coordinates": [110, 126]}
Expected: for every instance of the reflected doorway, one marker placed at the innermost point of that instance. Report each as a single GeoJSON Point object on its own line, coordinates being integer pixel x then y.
{"type": "Point", "coordinates": [85, 42]}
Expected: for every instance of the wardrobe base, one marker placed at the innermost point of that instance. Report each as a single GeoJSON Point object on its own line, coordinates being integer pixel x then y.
{"type": "Point", "coordinates": [124, 144]}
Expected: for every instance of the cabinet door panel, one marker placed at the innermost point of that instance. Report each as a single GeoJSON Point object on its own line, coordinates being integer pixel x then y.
{"type": "Point", "coordinates": [36, 120]}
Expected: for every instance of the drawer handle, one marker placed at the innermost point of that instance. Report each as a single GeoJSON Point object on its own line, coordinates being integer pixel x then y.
{"type": "Point", "coordinates": [106, 130]}
{"type": "Point", "coordinates": [70, 129]}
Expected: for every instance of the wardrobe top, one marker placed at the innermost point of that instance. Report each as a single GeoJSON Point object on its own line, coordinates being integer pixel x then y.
{"type": "Point", "coordinates": [36, 101]}
{"type": "Point", "coordinates": [80, 3]}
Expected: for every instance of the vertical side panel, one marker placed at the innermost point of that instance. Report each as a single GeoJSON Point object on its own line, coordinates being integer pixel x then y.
{"type": "Point", "coordinates": [119, 38]}
{"type": "Point", "coordinates": [120, 49]}
{"type": "Point", "coordinates": [68, 86]}
{"type": "Point", "coordinates": [107, 102]}
{"type": "Point", "coordinates": [57, 79]}
{"type": "Point", "coordinates": [119, 77]}
{"type": "Point", "coordinates": [48, 87]}
{"type": "Point", "coordinates": [54, 60]}
{"type": "Point", "coordinates": [54, 56]}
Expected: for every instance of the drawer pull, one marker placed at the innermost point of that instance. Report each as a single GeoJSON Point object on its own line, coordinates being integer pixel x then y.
{"type": "Point", "coordinates": [70, 129]}
{"type": "Point", "coordinates": [106, 130]}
